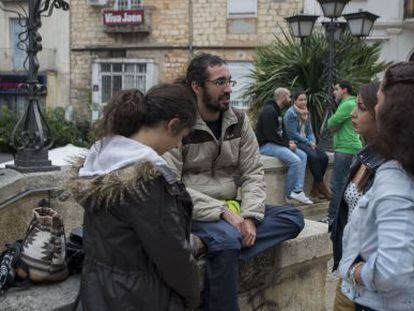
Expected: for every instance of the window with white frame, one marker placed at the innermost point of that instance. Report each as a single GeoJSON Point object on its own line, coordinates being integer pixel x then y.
{"type": "Point", "coordinates": [110, 76]}
{"type": "Point", "coordinates": [241, 8]}
{"type": "Point", "coordinates": [128, 4]}
{"type": "Point", "coordinates": [240, 72]}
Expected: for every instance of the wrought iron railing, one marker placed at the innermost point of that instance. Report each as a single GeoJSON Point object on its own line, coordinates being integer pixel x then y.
{"type": "Point", "coordinates": [12, 61]}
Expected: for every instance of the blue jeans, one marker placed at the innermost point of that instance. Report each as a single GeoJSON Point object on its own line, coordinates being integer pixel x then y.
{"type": "Point", "coordinates": [340, 171]}
{"type": "Point", "coordinates": [296, 162]}
{"type": "Point", "coordinates": [224, 249]}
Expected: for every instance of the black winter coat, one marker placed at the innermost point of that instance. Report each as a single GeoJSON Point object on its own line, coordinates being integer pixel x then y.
{"type": "Point", "coordinates": [370, 159]}
{"type": "Point", "coordinates": [136, 241]}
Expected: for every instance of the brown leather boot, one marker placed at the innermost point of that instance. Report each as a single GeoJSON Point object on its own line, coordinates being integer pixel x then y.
{"type": "Point", "coordinates": [324, 190]}
{"type": "Point", "coordinates": [314, 192]}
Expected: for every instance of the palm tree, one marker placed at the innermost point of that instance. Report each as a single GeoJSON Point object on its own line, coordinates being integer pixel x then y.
{"type": "Point", "coordinates": [287, 63]}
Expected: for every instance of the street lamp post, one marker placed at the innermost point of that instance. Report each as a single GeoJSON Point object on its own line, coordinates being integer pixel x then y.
{"type": "Point", "coordinates": [28, 136]}
{"type": "Point", "coordinates": [360, 25]}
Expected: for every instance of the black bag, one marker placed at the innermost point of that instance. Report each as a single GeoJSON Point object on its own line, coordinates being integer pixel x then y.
{"type": "Point", "coordinates": [9, 260]}
{"type": "Point", "coordinates": [74, 251]}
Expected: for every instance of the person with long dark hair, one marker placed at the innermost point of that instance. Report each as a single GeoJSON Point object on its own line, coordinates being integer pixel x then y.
{"type": "Point", "coordinates": [377, 265]}
{"type": "Point", "coordinates": [298, 128]}
{"type": "Point", "coordinates": [137, 214]}
{"type": "Point", "coordinates": [360, 179]}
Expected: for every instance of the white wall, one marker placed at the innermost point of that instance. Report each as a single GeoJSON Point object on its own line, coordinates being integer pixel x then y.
{"type": "Point", "coordinates": [55, 34]}
{"type": "Point", "coordinates": [395, 33]}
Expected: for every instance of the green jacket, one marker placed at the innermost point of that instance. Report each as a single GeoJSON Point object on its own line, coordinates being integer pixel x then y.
{"type": "Point", "coordinates": [345, 139]}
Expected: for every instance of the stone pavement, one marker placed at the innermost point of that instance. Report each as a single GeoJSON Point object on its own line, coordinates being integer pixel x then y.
{"type": "Point", "coordinates": [331, 281]}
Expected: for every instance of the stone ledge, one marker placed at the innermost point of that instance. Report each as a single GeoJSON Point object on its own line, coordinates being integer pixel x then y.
{"type": "Point", "coordinates": [57, 296]}
{"type": "Point", "coordinates": [274, 164]}
{"type": "Point", "coordinates": [308, 252]}
{"type": "Point", "coordinates": [20, 193]}
{"type": "Point", "coordinates": [14, 183]}
{"type": "Point", "coordinates": [275, 178]}
{"type": "Point", "coordinates": [311, 243]}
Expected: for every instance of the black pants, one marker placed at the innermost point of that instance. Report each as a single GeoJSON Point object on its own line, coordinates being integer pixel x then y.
{"type": "Point", "coordinates": [362, 308]}
{"type": "Point", "coordinates": [317, 159]}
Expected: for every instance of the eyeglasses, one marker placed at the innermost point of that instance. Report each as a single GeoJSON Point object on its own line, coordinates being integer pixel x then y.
{"type": "Point", "coordinates": [222, 82]}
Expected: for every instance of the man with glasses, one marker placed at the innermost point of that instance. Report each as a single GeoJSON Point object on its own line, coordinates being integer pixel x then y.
{"type": "Point", "coordinates": [219, 159]}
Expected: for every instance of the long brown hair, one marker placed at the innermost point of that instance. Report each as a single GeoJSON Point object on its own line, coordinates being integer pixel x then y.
{"type": "Point", "coordinates": [395, 119]}
{"type": "Point", "coordinates": [129, 110]}
{"type": "Point", "coordinates": [368, 92]}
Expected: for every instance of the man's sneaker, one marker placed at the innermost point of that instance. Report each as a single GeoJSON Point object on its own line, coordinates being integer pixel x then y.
{"type": "Point", "coordinates": [300, 197]}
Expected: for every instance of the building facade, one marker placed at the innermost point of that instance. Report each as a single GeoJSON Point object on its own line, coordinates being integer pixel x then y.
{"type": "Point", "coordinates": [53, 59]}
{"type": "Point", "coordinates": [394, 27]}
{"type": "Point", "coordinates": [137, 43]}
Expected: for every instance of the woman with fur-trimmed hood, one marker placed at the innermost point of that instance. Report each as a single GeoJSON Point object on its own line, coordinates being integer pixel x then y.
{"type": "Point", "coordinates": [137, 214]}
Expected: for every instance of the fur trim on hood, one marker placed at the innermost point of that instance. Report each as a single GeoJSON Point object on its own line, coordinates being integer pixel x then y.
{"type": "Point", "coordinates": [104, 191]}
{"type": "Point", "coordinates": [114, 152]}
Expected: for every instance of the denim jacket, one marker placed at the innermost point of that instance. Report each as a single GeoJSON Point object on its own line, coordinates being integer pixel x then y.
{"type": "Point", "coordinates": [372, 160]}
{"type": "Point", "coordinates": [381, 233]}
{"type": "Point", "coordinates": [292, 127]}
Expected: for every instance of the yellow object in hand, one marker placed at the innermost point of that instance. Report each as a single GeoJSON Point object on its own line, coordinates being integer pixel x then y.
{"type": "Point", "coordinates": [233, 206]}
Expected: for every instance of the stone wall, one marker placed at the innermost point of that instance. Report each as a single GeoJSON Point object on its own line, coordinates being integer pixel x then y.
{"type": "Point", "coordinates": [290, 277]}
{"type": "Point", "coordinates": [173, 39]}
{"type": "Point", "coordinates": [20, 193]}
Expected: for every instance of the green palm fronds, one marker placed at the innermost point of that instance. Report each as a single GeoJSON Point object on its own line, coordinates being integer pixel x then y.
{"type": "Point", "coordinates": [287, 63]}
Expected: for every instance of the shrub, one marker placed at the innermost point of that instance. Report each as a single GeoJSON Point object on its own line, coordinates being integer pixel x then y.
{"type": "Point", "coordinates": [63, 132]}
{"type": "Point", "coordinates": [287, 63]}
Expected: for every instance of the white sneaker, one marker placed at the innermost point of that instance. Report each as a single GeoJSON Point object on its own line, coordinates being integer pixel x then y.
{"type": "Point", "coordinates": [300, 197]}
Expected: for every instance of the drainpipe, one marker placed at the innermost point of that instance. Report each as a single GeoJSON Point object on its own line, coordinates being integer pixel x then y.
{"type": "Point", "coordinates": [190, 29]}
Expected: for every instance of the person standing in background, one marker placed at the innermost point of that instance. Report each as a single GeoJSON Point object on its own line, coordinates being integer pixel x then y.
{"type": "Point", "coordinates": [346, 142]}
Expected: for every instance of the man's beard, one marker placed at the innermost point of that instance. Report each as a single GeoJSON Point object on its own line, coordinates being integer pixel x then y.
{"type": "Point", "coordinates": [214, 104]}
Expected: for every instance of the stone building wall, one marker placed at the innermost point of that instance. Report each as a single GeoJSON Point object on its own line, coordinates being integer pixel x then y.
{"type": "Point", "coordinates": [172, 40]}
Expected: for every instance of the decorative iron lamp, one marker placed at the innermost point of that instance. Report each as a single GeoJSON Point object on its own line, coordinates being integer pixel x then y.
{"type": "Point", "coordinates": [301, 25]}
{"type": "Point", "coordinates": [360, 23]}
{"type": "Point", "coordinates": [333, 8]}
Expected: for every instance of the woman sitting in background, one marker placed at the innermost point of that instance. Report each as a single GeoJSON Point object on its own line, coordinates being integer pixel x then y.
{"type": "Point", "coordinates": [361, 177]}
{"type": "Point", "coordinates": [377, 265]}
{"type": "Point", "coordinates": [137, 215]}
{"type": "Point", "coordinates": [299, 129]}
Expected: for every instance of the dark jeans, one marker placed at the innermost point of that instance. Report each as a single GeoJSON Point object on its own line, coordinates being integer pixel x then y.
{"type": "Point", "coordinates": [362, 308]}
{"type": "Point", "coordinates": [317, 159]}
{"type": "Point", "coordinates": [340, 171]}
{"type": "Point", "coordinates": [224, 247]}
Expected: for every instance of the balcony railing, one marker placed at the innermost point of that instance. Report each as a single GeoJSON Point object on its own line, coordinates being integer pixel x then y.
{"type": "Point", "coordinates": [12, 61]}
{"type": "Point", "coordinates": [409, 9]}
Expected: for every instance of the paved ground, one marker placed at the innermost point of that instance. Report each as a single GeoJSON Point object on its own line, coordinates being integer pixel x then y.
{"type": "Point", "coordinates": [331, 281]}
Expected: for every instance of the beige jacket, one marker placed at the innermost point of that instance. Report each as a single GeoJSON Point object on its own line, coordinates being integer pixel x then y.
{"type": "Point", "coordinates": [216, 170]}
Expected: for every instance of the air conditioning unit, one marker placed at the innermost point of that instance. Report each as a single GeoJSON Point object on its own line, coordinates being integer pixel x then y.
{"type": "Point", "coordinates": [97, 2]}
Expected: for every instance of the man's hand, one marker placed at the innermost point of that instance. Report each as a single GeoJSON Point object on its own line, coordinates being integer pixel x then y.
{"type": "Point", "coordinates": [233, 219]}
{"type": "Point", "coordinates": [313, 145]}
{"type": "Point", "coordinates": [248, 232]}
{"type": "Point", "coordinates": [292, 145]}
